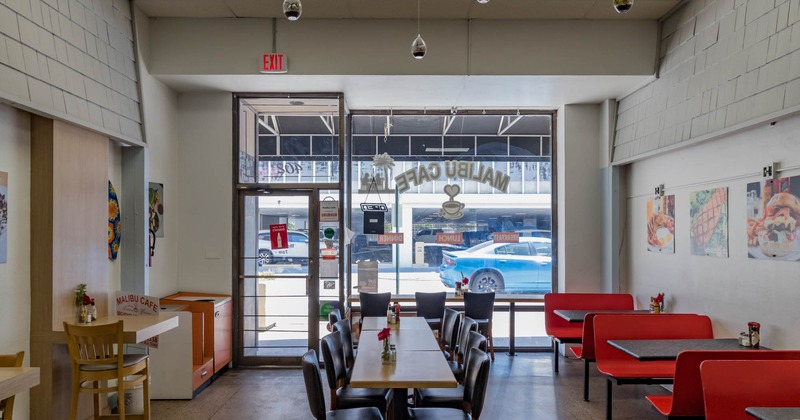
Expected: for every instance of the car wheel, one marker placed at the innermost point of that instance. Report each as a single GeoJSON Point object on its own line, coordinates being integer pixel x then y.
{"type": "Point", "coordinates": [487, 281]}
{"type": "Point", "coordinates": [264, 257]}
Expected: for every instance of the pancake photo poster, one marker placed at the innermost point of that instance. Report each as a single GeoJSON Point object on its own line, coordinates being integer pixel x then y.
{"type": "Point", "coordinates": [773, 208]}
{"type": "Point", "coordinates": [661, 224]}
{"type": "Point", "coordinates": [708, 228]}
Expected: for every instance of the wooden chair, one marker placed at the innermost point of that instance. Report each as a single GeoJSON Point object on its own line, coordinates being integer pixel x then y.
{"type": "Point", "coordinates": [730, 386]}
{"type": "Point", "coordinates": [316, 395]}
{"type": "Point", "coordinates": [97, 357]}
{"type": "Point", "coordinates": [7, 405]}
{"type": "Point", "coordinates": [480, 307]}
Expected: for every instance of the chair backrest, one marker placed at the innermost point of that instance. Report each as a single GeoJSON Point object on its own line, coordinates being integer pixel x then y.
{"type": "Point", "coordinates": [476, 341]}
{"type": "Point", "coordinates": [95, 344]}
{"type": "Point", "coordinates": [687, 391]}
{"type": "Point", "coordinates": [467, 324]}
{"type": "Point", "coordinates": [587, 340]}
{"type": "Point", "coordinates": [334, 316]}
{"type": "Point", "coordinates": [479, 306]}
{"type": "Point", "coordinates": [476, 379]}
{"type": "Point", "coordinates": [313, 381]}
{"type": "Point", "coordinates": [430, 305]}
{"type": "Point", "coordinates": [10, 360]}
{"type": "Point", "coordinates": [374, 304]}
{"type": "Point", "coordinates": [343, 327]}
{"type": "Point", "coordinates": [450, 324]}
{"type": "Point", "coordinates": [553, 301]}
{"type": "Point", "coordinates": [333, 355]}
{"type": "Point", "coordinates": [645, 327]}
{"type": "Point", "coordinates": [730, 386]}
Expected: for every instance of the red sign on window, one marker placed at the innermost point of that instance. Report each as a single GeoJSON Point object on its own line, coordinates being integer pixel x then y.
{"type": "Point", "coordinates": [390, 238]}
{"type": "Point", "coordinates": [278, 237]}
{"type": "Point", "coordinates": [506, 237]}
{"type": "Point", "coordinates": [449, 238]}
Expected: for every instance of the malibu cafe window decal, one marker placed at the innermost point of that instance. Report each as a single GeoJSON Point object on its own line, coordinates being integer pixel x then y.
{"type": "Point", "coordinates": [273, 63]}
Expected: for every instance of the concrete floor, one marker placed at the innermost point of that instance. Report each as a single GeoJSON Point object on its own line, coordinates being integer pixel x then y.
{"type": "Point", "coordinates": [520, 387]}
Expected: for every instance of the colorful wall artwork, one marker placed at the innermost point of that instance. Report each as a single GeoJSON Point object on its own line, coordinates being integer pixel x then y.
{"type": "Point", "coordinates": [3, 217]}
{"type": "Point", "coordinates": [773, 208]}
{"type": "Point", "coordinates": [114, 223]}
{"type": "Point", "coordinates": [708, 229]}
{"type": "Point", "coordinates": [661, 224]}
{"type": "Point", "coordinates": [157, 209]}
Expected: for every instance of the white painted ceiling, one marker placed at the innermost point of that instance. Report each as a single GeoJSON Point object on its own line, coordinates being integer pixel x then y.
{"type": "Point", "coordinates": [420, 92]}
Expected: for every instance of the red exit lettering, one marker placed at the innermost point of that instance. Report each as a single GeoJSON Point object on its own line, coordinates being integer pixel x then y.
{"type": "Point", "coordinates": [273, 63]}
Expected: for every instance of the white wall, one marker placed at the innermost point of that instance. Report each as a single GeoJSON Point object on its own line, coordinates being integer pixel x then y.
{"type": "Point", "coordinates": [15, 275]}
{"type": "Point", "coordinates": [160, 107]}
{"type": "Point", "coordinates": [72, 60]}
{"type": "Point", "coordinates": [115, 176]}
{"type": "Point", "coordinates": [733, 290]}
{"type": "Point", "coordinates": [204, 192]}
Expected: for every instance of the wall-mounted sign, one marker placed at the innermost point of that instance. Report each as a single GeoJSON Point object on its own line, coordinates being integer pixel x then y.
{"type": "Point", "coordinates": [505, 237]}
{"type": "Point", "coordinates": [273, 63]}
{"type": "Point", "coordinates": [390, 238]}
{"type": "Point", "coordinates": [449, 238]}
{"type": "Point", "coordinates": [278, 237]}
{"type": "Point", "coordinates": [329, 211]}
{"type": "Point", "coordinates": [472, 171]}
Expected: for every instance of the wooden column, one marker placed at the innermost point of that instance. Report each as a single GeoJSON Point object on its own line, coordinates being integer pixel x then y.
{"type": "Point", "coordinates": [69, 242]}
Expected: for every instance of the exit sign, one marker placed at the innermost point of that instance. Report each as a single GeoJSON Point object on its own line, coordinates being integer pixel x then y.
{"type": "Point", "coordinates": [273, 63]}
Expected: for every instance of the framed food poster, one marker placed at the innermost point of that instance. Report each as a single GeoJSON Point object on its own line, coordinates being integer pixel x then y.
{"type": "Point", "coordinates": [708, 228]}
{"type": "Point", "coordinates": [773, 208]}
{"type": "Point", "coordinates": [3, 217]}
{"type": "Point", "coordinates": [661, 224]}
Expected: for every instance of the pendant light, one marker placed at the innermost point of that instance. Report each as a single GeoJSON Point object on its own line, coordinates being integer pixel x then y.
{"type": "Point", "coordinates": [623, 6]}
{"type": "Point", "coordinates": [292, 9]}
{"type": "Point", "coordinates": [418, 47]}
{"type": "Point", "coordinates": [483, 1]}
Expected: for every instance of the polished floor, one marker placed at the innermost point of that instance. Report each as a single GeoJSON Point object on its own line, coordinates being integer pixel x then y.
{"type": "Point", "coordinates": [520, 387]}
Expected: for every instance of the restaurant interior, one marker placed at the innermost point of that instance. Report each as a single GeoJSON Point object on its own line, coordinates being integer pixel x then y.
{"type": "Point", "coordinates": [408, 209]}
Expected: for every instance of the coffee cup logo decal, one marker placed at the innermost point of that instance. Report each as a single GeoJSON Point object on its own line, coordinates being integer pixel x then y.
{"type": "Point", "coordinates": [451, 209]}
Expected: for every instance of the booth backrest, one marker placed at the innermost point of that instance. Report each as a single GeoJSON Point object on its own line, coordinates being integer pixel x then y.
{"type": "Point", "coordinates": [645, 327]}
{"type": "Point", "coordinates": [687, 392]}
{"type": "Point", "coordinates": [587, 340]}
{"type": "Point", "coordinates": [556, 326]}
{"type": "Point", "coordinates": [730, 386]}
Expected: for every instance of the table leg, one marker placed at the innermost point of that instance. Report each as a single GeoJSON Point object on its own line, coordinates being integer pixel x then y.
{"type": "Point", "coordinates": [400, 403]}
{"type": "Point", "coordinates": [512, 319]}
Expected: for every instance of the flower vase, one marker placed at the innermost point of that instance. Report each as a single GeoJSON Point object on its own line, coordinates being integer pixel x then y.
{"type": "Point", "coordinates": [83, 314]}
{"type": "Point", "coordinates": [386, 355]}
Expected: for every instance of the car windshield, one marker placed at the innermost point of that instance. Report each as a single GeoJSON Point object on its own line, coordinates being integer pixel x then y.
{"type": "Point", "coordinates": [543, 249]}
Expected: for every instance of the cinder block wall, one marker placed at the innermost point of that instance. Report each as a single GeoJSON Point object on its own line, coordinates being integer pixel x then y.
{"type": "Point", "coordinates": [723, 63]}
{"type": "Point", "coordinates": [72, 59]}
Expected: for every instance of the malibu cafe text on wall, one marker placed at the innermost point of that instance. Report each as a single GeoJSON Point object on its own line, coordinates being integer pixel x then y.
{"type": "Point", "coordinates": [452, 169]}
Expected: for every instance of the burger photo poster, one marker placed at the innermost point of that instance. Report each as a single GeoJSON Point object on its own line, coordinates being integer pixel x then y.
{"type": "Point", "coordinates": [773, 208]}
{"type": "Point", "coordinates": [661, 224]}
{"type": "Point", "coordinates": [708, 228]}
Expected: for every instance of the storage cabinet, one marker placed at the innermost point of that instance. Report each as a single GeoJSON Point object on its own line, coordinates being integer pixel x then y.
{"type": "Point", "coordinates": [211, 316]}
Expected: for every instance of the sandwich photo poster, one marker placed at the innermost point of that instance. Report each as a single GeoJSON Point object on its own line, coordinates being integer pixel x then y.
{"type": "Point", "coordinates": [661, 224]}
{"type": "Point", "coordinates": [708, 228]}
{"type": "Point", "coordinates": [773, 208]}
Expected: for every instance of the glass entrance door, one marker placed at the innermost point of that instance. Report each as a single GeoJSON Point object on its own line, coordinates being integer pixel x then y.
{"type": "Point", "coordinates": [280, 282]}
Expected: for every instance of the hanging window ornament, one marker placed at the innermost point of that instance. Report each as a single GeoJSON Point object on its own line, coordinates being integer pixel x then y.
{"type": "Point", "coordinates": [418, 47]}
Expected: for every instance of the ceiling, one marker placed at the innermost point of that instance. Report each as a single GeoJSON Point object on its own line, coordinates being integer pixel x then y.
{"type": "Point", "coordinates": [405, 9]}
{"type": "Point", "coordinates": [367, 92]}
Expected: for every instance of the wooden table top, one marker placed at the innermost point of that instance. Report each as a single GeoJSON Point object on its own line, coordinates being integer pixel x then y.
{"type": "Point", "coordinates": [413, 369]}
{"type": "Point", "coordinates": [776, 413]}
{"type": "Point", "coordinates": [577, 315]}
{"type": "Point", "coordinates": [648, 350]}
{"type": "Point", "coordinates": [138, 328]}
{"type": "Point", "coordinates": [406, 323]}
{"type": "Point", "coordinates": [403, 339]}
{"type": "Point", "coordinates": [14, 380]}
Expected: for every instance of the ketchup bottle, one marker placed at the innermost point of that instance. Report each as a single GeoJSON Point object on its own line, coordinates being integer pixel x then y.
{"type": "Point", "coordinates": [397, 311]}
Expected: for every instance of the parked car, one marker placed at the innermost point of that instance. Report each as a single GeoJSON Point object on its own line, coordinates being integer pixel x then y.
{"type": "Point", "coordinates": [523, 267]}
{"type": "Point", "coordinates": [427, 235]}
{"type": "Point", "coordinates": [534, 233]}
{"type": "Point", "coordinates": [297, 250]}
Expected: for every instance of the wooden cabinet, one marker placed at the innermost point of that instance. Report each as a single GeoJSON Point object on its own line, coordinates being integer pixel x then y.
{"type": "Point", "coordinates": [211, 316]}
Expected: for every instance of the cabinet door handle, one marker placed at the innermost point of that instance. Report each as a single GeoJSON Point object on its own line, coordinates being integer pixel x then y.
{"type": "Point", "coordinates": [216, 314]}
{"type": "Point", "coordinates": [203, 375]}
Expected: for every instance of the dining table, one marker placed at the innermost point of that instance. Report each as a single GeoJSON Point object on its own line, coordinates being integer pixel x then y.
{"type": "Point", "coordinates": [405, 323]}
{"type": "Point", "coordinates": [774, 413]}
{"type": "Point", "coordinates": [577, 315]}
{"type": "Point", "coordinates": [14, 380]}
{"type": "Point", "coordinates": [420, 362]}
{"type": "Point", "coordinates": [649, 350]}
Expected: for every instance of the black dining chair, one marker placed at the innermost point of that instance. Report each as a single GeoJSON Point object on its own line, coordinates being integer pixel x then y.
{"type": "Point", "coordinates": [373, 304]}
{"type": "Point", "coordinates": [342, 394]}
{"type": "Point", "coordinates": [431, 307]}
{"type": "Point", "coordinates": [334, 316]}
{"type": "Point", "coordinates": [467, 399]}
{"type": "Point", "coordinates": [467, 325]}
{"type": "Point", "coordinates": [343, 328]}
{"type": "Point", "coordinates": [316, 396]}
{"type": "Point", "coordinates": [480, 307]}
{"type": "Point", "coordinates": [449, 332]}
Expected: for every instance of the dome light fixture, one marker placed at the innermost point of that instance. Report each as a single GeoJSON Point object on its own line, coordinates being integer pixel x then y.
{"type": "Point", "coordinates": [418, 47]}
{"type": "Point", "coordinates": [483, 1]}
{"type": "Point", "coordinates": [623, 6]}
{"type": "Point", "coordinates": [292, 9]}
